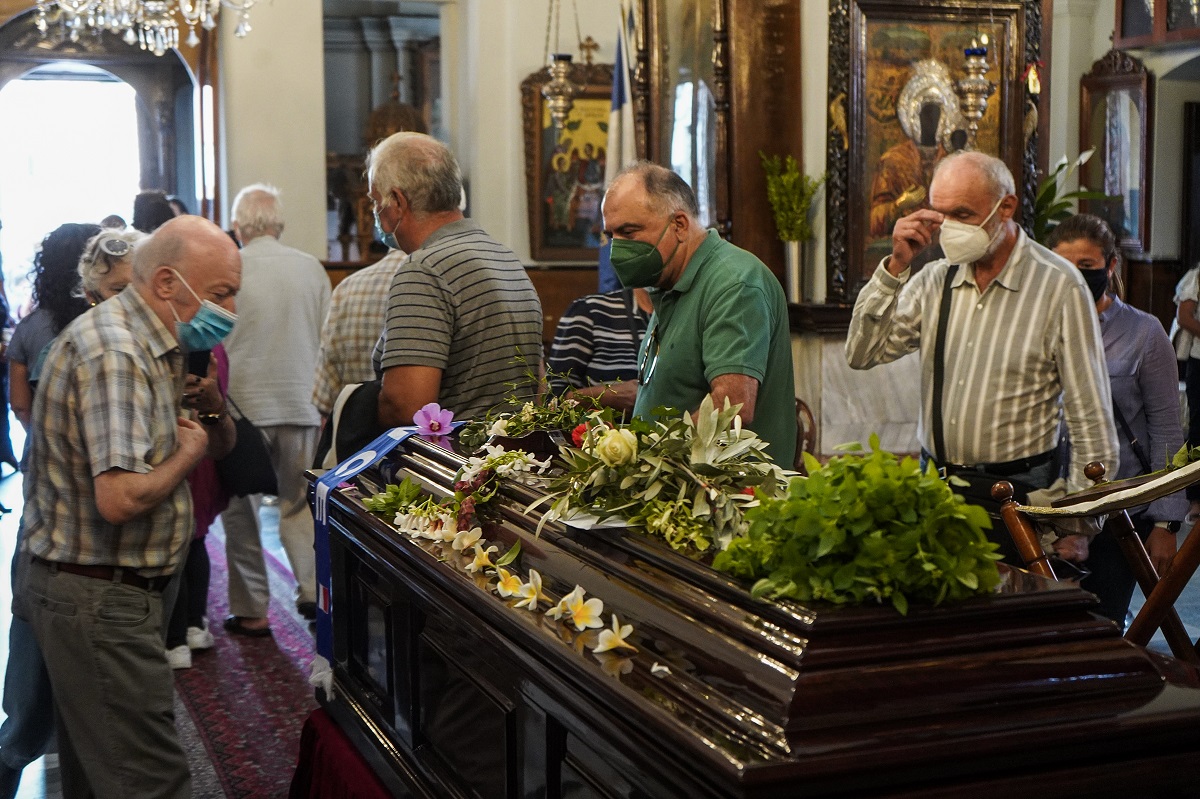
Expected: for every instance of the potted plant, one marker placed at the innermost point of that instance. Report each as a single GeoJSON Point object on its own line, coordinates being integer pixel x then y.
{"type": "Point", "coordinates": [791, 196]}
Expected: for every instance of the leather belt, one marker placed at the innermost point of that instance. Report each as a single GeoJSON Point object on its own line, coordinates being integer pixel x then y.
{"type": "Point", "coordinates": [127, 576]}
{"type": "Point", "coordinates": [1003, 469]}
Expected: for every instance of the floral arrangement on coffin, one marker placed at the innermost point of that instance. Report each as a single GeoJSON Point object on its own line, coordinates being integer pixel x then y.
{"type": "Point", "coordinates": [474, 487]}
{"type": "Point", "coordinates": [548, 414]}
{"type": "Point", "coordinates": [683, 481]}
{"type": "Point", "coordinates": [423, 518]}
{"type": "Point", "coordinates": [866, 527]}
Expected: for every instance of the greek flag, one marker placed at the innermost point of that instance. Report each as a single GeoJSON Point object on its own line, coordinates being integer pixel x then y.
{"type": "Point", "coordinates": [622, 149]}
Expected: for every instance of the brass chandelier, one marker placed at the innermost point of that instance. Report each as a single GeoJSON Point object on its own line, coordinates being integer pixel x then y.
{"type": "Point", "coordinates": [151, 24]}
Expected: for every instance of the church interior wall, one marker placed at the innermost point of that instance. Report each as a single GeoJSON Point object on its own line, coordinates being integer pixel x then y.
{"type": "Point", "coordinates": [488, 47]}
{"type": "Point", "coordinates": [272, 100]}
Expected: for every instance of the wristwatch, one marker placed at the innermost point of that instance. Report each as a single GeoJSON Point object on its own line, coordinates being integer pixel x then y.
{"type": "Point", "coordinates": [1172, 527]}
{"type": "Point", "coordinates": [210, 419]}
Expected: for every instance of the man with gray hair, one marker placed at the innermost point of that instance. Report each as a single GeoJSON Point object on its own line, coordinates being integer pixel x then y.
{"type": "Point", "coordinates": [272, 352]}
{"type": "Point", "coordinates": [464, 323]}
{"type": "Point", "coordinates": [1022, 344]}
{"type": "Point", "coordinates": [720, 322]}
{"type": "Point", "coordinates": [108, 515]}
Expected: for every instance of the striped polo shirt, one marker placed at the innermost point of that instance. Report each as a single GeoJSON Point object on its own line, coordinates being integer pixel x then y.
{"type": "Point", "coordinates": [1019, 356]}
{"type": "Point", "coordinates": [462, 303]}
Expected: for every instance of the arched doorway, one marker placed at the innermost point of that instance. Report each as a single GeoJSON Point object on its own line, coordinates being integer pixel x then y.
{"type": "Point", "coordinates": [166, 104]}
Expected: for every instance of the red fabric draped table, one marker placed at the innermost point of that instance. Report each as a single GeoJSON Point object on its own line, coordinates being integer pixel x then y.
{"type": "Point", "coordinates": [329, 767]}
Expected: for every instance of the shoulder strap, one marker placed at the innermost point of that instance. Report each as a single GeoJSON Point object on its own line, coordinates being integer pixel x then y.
{"type": "Point", "coordinates": [1133, 442]}
{"type": "Point", "coordinates": [939, 367]}
{"type": "Point", "coordinates": [631, 317]}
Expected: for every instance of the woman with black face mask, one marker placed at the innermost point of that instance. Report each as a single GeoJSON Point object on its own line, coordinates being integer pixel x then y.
{"type": "Point", "coordinates": [1144, 377]}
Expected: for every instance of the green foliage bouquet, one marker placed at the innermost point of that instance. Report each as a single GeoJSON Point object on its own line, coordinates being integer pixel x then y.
{"type": "Point", "coordinates": [683, 481]}
{"type": "Point", "coordinates": [866, 527]}
{"type": "Point", "coordinates": [791, 196]}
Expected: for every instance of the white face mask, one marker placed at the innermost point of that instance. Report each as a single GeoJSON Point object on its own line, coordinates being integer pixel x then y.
{"type": "Point", "coordinates": [966, 244]}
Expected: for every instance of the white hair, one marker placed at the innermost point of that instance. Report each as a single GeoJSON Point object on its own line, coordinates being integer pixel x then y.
{"type": "Point", "coordinates": [995, 173]}
{"type": "Point", "coordinates": [258, 211]}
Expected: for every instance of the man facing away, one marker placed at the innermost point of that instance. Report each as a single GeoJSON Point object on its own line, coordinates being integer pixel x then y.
{"type": "Point", "coordinates": [720, 323]}
{"type": "Point", "coordinates": [108, 514]}
{"type": "Point", "coordinates": [272, 352]}
{"type": "Point", "coordinates": [1022, 339]}
{"type": "Point", "coordinates": [464, 324]}
{"type": "Point", "coordinates": [357, 310]}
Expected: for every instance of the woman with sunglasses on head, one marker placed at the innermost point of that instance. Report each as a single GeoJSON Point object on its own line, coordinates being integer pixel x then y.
{"type": "Point", "coordinates": [1145, 394]}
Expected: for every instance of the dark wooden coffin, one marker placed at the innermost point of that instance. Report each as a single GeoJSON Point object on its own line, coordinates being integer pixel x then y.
{"type": "Point", "coordinates": [450, 691]}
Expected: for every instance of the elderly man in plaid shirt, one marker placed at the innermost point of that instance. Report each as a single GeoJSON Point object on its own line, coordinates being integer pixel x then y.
{"type": "Point", "coordinates": [108, 514]}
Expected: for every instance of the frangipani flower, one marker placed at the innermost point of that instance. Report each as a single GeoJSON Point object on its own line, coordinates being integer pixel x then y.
{"type": "Point", "coordinates": [614, 637]}
{"type": "Point", "coordinates": [483, 558]}
{"type": "Point", "coordinates": [585, 614]}
{"type": "Point", "coordinates": [564, 605]}
{"type": "Point", "coordinates": [466, 539]}
{"type": "Point", "coordinates": [509, 585]}
{"type": "Point", "coordinates": [531, 591]}
{"type": "Point", "coordinates": [431, 420]}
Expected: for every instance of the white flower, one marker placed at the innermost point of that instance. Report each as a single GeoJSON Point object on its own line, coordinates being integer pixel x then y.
{"type": "Point", "coordinates": [466, 539]}
{"type": "Point", "coordinates": [527, 412]}
{"type": "Point", "coordinates": [617, 447]}
{"type": "Point", "coordinates": [659, 670]}
{"type": "Point", "coordinates": [531, 591]}
{"type": "Point", "coordinates": [564, 605]}
{"type": "Point", "coordinates": [509, 584]}
{"type": "Point", "coordinates": [585, 614]}
{"type": "Point", "coordinates": [483, 558]}
{"type": "Point", "coordinates": [499, 428]}
{"type": "Point", "coordinates": [614, 637]}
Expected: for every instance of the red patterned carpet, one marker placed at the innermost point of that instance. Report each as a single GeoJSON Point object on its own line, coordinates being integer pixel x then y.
{"type": "Point", "coordinates": [248, 697]}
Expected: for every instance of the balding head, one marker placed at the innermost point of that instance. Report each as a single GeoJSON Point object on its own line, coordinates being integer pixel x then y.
{"type": "Point", "coordinates": [418, 166]}
{"type": "Point", "coordinates": [666, 192]}
{"type": "Point", "coordinates": [188, 252]}
{"type": "Point", "coordinates": [995, 176]}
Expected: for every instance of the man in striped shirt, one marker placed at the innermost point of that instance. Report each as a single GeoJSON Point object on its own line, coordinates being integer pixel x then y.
{"type": "Point", "coordinates": [464, 323]}
{"type": "Point", "coordinates": [1023, 344]}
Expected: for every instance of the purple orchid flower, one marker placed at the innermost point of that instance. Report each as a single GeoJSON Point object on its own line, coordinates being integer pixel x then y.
{"type": "Point", "coordinates": [432, 420]}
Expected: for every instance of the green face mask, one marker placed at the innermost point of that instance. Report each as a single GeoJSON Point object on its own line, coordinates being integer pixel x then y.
{"type": "Point", "coordinates": [638, 264]}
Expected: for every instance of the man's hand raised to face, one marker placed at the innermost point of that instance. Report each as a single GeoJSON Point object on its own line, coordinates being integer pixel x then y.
{"type": "Point", "coordinates": [912, 234]}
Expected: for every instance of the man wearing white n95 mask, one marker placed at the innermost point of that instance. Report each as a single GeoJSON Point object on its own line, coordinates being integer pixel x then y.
{"type": "Point", "coordinates": [1022, 344]}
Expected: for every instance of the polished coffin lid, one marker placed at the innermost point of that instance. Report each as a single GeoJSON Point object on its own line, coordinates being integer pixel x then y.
{"type": "Point", "coordinates": [763, 693]}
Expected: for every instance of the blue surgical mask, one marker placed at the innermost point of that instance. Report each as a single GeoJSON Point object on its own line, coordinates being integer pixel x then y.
{"type": "Point", "coordinates": [388, 239]}
{"type": "Point", "coordinates": [207, 328]}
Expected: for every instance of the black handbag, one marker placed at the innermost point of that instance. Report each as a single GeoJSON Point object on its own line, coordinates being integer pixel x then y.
{"type": "Point", "coordinates": [247, 469]}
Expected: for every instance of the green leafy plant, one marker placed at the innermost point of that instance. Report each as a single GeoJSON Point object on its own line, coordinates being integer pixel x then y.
{"type": "Point", "coordinates": [1052, 206]}
{"type": "Point", "coordinates": [683, 481]}
{"type": "Point", "coordinates": [865, 527]}
{"type": "Point", "coordinates": [791, 196]}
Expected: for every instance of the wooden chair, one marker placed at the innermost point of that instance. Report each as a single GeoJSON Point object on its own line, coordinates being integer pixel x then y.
{"type": "Point", "coordinates": [806, 434]}
{"type": "Point", "coordinates": [1158, 612]}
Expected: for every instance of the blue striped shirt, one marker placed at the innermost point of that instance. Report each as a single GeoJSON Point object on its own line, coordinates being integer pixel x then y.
{"type": "Point", "coordinates": [594, 343]}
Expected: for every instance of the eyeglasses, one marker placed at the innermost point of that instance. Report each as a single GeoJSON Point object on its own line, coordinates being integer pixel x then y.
{"type": "Point", "coordinates": [117, 248]}
{"type": "Point", "coordinates": [649, 359]}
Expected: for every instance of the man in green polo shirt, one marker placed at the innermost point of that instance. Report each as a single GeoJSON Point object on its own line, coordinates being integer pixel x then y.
{"type": "Point", "coordinates": [720, 321]}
